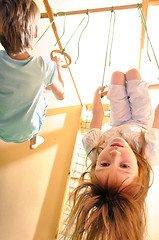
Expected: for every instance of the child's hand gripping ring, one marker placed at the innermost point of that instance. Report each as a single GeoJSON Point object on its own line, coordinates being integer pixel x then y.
{"type": "Point", "coordinates": [63, 53]}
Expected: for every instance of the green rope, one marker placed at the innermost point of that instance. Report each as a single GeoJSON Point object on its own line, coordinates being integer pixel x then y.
{"type": "Point", "coordinates": [82, 33]}
{"type": "Point", "coordinates": [144, 22]}
{"type": "Point", "coordinates": [44, 33]}
{"type": "Point", "coordinates": [148, 38]}
{"type": "Point", "coordinates": [73, 33]}
{"type": "Point", "coordinates": [148, 51]}
{"type": "Point", "coordinates": [110, 54]}
{"type": "Point", "coordinates": [110, 24]}
{"type": "Point", "coordinates": [64, 24]}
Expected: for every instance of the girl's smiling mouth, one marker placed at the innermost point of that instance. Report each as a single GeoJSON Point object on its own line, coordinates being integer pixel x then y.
{"type": "Point", "coordinates": [117, 145]}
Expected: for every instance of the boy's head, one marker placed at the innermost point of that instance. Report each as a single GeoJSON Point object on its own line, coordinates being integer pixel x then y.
{"type": "Point", "coordinates": [18, 24]}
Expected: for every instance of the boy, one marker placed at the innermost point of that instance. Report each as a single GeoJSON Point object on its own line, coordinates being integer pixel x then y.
{"type": "Point", "coordinates": [23, 77]}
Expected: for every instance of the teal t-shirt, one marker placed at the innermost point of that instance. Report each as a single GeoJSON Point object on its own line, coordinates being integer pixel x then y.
{"type": "Point", "coordinates": [22, 101]}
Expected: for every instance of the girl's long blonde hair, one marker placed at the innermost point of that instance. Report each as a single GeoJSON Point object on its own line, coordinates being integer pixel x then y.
{"type": "Point", "coordinates": [110, 213]}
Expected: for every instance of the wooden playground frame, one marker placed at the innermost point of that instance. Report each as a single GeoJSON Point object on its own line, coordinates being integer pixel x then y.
{"type": "Point", "coordinates": [51, 15]}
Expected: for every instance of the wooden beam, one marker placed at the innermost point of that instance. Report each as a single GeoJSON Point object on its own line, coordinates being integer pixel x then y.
{"type": "Point", "coordinates": [95, 10]}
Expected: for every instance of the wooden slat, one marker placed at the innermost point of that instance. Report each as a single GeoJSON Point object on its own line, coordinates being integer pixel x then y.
{"type": "Point", "coordinates": [153, 86]}
{"type": "Point", "coordinates": [153, 2]}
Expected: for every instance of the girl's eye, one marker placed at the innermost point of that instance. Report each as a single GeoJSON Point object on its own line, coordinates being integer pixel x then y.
{"type": "Point", "coordinates": [124, 166]}
{"type": "Point", "coordinates": [105, 164]}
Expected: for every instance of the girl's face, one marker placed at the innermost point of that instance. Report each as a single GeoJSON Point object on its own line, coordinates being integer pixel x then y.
{"type": "Point", "coordinates": [117, 163]}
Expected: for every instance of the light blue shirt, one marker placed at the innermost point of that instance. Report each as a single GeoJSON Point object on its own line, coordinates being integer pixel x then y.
{"type": "Point", "coordinates": [22, 102]}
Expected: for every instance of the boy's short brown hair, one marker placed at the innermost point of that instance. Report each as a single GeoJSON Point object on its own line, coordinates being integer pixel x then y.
{"type": "Point", "coordinates": [18, 23]}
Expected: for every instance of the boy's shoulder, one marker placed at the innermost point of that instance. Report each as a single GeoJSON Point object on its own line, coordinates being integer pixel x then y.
{"type": "Point", "coordinates": [31, 60]}
{"type": "Point", "coordinates": [43, 61]}
{"type": "Point", "coordinates": [44, 67]}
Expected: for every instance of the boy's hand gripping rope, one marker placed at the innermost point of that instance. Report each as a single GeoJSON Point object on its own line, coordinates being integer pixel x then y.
{"type": "Point", "coordinates": [63, 53]}
{"type": "Point", "coordinates": [57, 51]}
{"type": "Point", "coordinates": [63, 50]}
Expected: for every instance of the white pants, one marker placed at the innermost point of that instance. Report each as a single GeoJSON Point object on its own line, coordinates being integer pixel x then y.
{"type": "Point", "coordinates": [130, 104]}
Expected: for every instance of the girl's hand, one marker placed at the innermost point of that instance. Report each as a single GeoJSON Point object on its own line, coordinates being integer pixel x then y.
{"type": "Point", "coordinates": [97, 104]}
{"type": "Point", "coordinates": [100, 91]}
{"type": "Point", "coordinates": [97, 109]}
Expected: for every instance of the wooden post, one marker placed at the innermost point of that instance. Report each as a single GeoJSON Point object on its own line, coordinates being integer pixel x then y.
{"type": "Point", "coordinates": [50, 14]}
{"type": "Point", "coordinates": [144, 10]}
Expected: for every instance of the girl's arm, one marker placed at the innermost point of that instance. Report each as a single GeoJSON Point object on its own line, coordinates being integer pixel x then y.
{"type": "Point", "coordinates": [97, 109]}
{"type": "Point", "coordinates": [156, 118]}
{"type": "Point", "coordinates": [57, 85]}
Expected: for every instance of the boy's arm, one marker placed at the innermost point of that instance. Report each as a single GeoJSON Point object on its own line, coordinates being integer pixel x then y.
{"type": "Point", "coordinates": [57, 85]}
{"type": "Point", "coordinates": [97, 109]}
{"type": "Point", "coordinates": [156, 118]}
